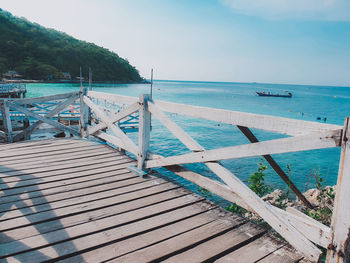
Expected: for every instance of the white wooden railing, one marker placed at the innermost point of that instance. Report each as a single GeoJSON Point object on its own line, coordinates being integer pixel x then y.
{"type": "Point", "coordinates": [301, 231]}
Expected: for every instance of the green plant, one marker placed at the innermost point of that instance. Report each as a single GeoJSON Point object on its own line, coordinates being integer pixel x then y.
{"type": "Point", "coordinates": [204, 192]}
{"type": "Point", "coordinates": [257, 181]}
{"type": "Point", "coordinates": [234, 208]}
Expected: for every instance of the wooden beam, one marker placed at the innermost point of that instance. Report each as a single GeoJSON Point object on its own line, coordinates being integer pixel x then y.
{"type": "Point", "coordinates": [84, 111]}
{"type": "Point", "coordinates": [144, 130]}
{"type": "Point", "coordinates": [115, 129]}
{"type": "Point", "coordinates": [45, 98]}
{"type": "Point", "coordinates": [319, 140]}
{"type": "Point", "coordinates": [339, 249]}
{"type": "Point", "coordinates": [116, 117]}
{"type": "Point", "coordinates": [43, 119]}
{"type": "Point", "coordinates": [310, 228]}
{"type": "Point", "coordinates": [114, 141]}
{"type": "Point", "coordinates": [264, 122]}
{"type": "Point", "coordinates": [6, 118]}
{"type": "Point", "coordinates": [281, 225]}
{"type": "Point", "coordinates": [113, 98]}
{"type": "Point", "coordinates": [251, 137]}
{"type": "Point", "coordinates": [60, 106]}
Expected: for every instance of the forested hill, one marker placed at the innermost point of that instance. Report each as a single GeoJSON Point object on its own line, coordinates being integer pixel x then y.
{"type": "Point", "coordinates": [40, 53]}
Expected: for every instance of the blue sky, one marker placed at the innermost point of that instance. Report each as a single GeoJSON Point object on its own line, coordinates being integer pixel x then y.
{"type": "Point", "coordinates": [273, 41]}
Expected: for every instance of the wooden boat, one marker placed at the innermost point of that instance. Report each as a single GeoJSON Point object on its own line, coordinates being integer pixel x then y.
{"type": "Point", "coordinates": [268, 94]}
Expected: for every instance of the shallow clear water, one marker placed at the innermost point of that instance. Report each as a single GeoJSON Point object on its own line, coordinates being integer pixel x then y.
{"type": "Point", "coordinates": [308, 103]}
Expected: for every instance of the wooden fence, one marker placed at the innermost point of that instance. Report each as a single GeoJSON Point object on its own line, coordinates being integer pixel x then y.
{"type": "Point", "coordinates": [301, 231]}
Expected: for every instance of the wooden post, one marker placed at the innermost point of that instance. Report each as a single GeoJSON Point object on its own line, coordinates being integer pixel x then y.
{"type": "Point", "coordinates": [84, 111]}
{"type": "Point", "coordinates": [251, 137]}
{"type": "Point", "coordinates": [339, 250]}
{"type": "Point", "coordinates": [144, 130]}
{"type": "Point", "coordinates": [6, 120]}
{"type": "Point", "coordinates": [26, 124]}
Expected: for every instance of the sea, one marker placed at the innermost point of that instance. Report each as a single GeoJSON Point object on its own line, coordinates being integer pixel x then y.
{"type": "Point", "coordinates": [324, 104]}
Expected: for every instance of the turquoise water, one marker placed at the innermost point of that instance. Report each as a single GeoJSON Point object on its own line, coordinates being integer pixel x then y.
{"type": "Point", "coordinates": [308, 103]}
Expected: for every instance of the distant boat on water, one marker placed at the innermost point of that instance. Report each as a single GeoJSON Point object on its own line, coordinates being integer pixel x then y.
{"type": "Point", "coordinates": [269, 94]}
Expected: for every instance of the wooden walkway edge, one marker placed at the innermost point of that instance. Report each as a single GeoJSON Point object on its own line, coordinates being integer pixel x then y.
{"type": "Point", "coordinates": [74, 200]}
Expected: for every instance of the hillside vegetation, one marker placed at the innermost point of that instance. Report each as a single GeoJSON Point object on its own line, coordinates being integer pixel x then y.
{"type": "Point", "coordinates": [39, 53]}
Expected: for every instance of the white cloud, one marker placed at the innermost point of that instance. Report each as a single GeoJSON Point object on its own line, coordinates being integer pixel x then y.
{"type": "Point", "coordinates": [331, 10]}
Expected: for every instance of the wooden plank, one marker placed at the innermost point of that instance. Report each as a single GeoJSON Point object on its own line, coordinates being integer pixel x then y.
{"type": "Point", "coordinates": [22, 169]}
{"type": "Point", "coordinates": [60, 106]}
{"type": "Point", "coordinates": [104, 176]}
{"type": "Point", "coordinates": [29, 150]}
{"type": "Point", "coordinates": [152, 197]}
{"type": "Point", "coordinates": [257, 121]}
{"type": "Point", "coordinates": [6, 118]}
{"type": "Point", "coordinates": [115, 141]}
{"type": "Point", "coordinates": [339, 248]}
{"type": "Point", "coordinates": [85, 176]}
{"type": "Point", "coordinates": [251, 137]}
{"type": "Point", "coordinates": [115, 129]}
{"type": "Point", "coordinates": [44, 119]}
{"type": "Point", "coordinates": [116, 117]}
{"type": "Point", "coordinates": [113, 98]}
{"type": "Point", "coordinates": [285, 254]}
{"type": "Point", "coordinates": [84, 111]}
{"type": "Point", "coordinates": [26, 217]}
{"type": "Point", "coordinates": [161, 251]}
{"type": "Point", "coordinates": [101, 236]}
{"type": "Point", "coordinates": [313, 230]}
{"type": "Point", "coordinates": [313, 141]}
{"type": "Point", "coordinates": [174, 128]}
{"type": "Point", "coordinates": [60, 175]}
{"type": "Point", "coordinates": [219, 245]}
{"type": "Point", "coordinates": [144, 131]}
{"type": "Point", "coordinates": [42, 172]}
{"type": "Point", "coordinates": [253, 251]}
{"type": "Point", "coordinates": [53, 158]}
{"type": "Point", "coordinates": [124, 180]}
{"type": "Point", "coordinates": [143, 240]}
{"type": "Point", "coordinates": [266, 211]}
{"type": "Point", "coordinates": [36, 143]}
{"type": "Point", "coordinates": [45, 98]}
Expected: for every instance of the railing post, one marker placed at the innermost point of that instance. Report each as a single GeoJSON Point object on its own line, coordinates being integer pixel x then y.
{"type": "Point", "coordinates": [84, 111]}
{"type": "Point", "coordinates": [6, 118]}
{"type": "Point", "coordinates": [144, 130]}
{"type": "Point", "coordinates": [339, 250]}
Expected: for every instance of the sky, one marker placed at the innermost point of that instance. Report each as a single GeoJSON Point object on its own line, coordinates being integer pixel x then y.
{"type": "Point", "coordinates": [270, 41]}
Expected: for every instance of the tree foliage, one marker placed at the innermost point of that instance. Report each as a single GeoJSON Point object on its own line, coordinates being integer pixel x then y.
{"type": "Point", "coordinates": [37, 52]}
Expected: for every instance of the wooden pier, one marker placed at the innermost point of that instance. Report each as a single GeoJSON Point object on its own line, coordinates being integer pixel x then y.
{"type": "Point", "coordinates": [73, 200]}
{"type": "Point", "coordinates": [79, 200]}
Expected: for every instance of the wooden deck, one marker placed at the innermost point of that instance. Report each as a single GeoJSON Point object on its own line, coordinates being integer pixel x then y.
{"type": "Point", "coordinates": [73, 200]}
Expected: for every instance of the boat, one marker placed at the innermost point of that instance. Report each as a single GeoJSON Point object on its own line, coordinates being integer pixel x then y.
{"type": "Point", "coordinates": [268, 94]}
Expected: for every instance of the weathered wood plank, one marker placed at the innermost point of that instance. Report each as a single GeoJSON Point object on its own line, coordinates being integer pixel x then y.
{"type": "Point", "coordinates": [115, 141]}
{"type": "Point", "coordinates": [44, 119]}
{"type": "Point", "coordinates": [257, 121]}
{"type": "Point", "coordinates": [219, 245]}
{"type": "Point", "coordinates": [103, 224]}
{"type": "Point", "coordinates": [339, 249]}
{"type": "Point", "coordinates": [110, 124]}
{"type": "Point", "coordinates": [135, 208]}
{"type": "Point", "coordinates": [92, 174]}
{"type": "Point", "coordinates": [6, 118]}
{"type": "Point", "coordinates": [45, 98]}
{"type": "Point", "coordinates": [253, 251]}
{"type": "Point", "coordinates": [300, 143]}
{"type": "Point", "coordinates": [144, 131]}
{"type": "Point", "coordinates": [37, 203]}
{"type": "Point", "coordinates": [285, 254]}
{"type": "Point", "coordinates": [60, 107]}
{"type": "Point", "coordinates": [116, 117]}
{"type": "Point", "coordinates": [43, 173]}
{"type": "Point", "coordinates": [159, 234]}
{"type": "Point", "coordinates": [113, 98]}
